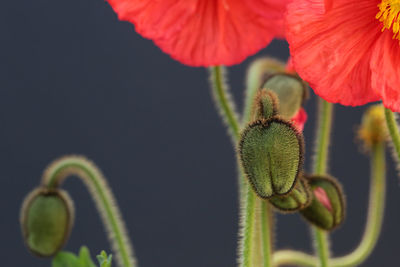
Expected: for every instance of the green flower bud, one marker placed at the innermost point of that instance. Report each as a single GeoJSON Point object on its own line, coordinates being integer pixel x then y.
{"type": "Point", "coordinates": [271, 154]}
{"type": "Point", "coordinates": [46, 220]}
{"type": "Point", "coordinates": [299, 198]}
{"type": "Point", "coordinates": [327, 209]}
{"type": "Point", "coordinates": [291, 92]}
{"type": "Point", "coordinates": [265, 105]}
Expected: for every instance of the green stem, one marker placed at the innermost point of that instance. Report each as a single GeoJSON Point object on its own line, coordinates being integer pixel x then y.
{"type": "Point", "coordinates": [247, 198]}
{"type": "Point", "coordinates": [247, 242]}
{"type": "Point", "coordinates": [372, 229]}
{"type": "Point", "coordinates": [320, 167]}
{"type": "Point", "coordinates": [393, 130]}
{"type": "Point", "coordinates": [321, 246]}
{"type": "Point", "coordinates": [102, 196]}
{"type": "Point", "coordinates": [325, 112]}
{"type": "Point", "coordinates": [375, 211]}
{"type": "Point", "coordinates": [223, 101]}
{"type": "Point", "coordinates": [291, 257]}
{"type": "Point", "coordinates": [266, 226]}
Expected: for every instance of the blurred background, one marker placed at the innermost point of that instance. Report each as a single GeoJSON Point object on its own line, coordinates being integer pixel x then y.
{"type": "Point", "coordinates": [74, 79]}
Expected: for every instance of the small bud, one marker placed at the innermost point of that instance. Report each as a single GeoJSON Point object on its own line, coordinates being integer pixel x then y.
{"type": "Point", "coordinates": [299, 198]}
{"type": "Point", "coordinates": [265, 105]}
{"type": "Point", "coordinates": [46, 220]}
{"type": "Point", "coordinates": [327, 209]}
{"type": "Point", "coordinates": [291, 92]}
{"type": "Point", "coordinates": [271, 153]}
{"type": "Point", "coordinates": [373, 127]}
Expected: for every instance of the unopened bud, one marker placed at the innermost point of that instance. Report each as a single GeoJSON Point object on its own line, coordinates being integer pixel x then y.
{"type": "Point", "coordinates": [271, 153]}
{"type": "Point", "coordinates": [291, 92]}
{"type": "Point", "coordinates": [299, 198]}
{"type": "Point", "coordinates": [327, 209]}
{"type": "Point", "coordinates": [373, 127]}
{"type": "Point", "coordinates": [46, 220]}
{"type": "Point", "coordinates": [265, 105]}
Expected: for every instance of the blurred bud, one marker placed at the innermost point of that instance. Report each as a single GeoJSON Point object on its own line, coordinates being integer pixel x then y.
{"type": "Point", "coordinates": [265, 105]}
{"type": "Point", "coordinates": [46, 220]}
{"type": "Point", "coordinates": [291, 92]}
{"type": "Point", "coordinates": [271, 154]}
{"type": "Point", "coordinates": [299, 198]}
{"type": "Point", "coordinates": [373, 127]}
{"type": "Point", "coordinates": [261, 67]}
{"type": "Point", "coordinates": [327, 209]}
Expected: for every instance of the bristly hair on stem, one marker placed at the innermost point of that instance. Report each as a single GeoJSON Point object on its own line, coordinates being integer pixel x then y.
{"type": "Point", "coordinates": [393, 127]}
{"type": "Point", "coordinates": [224, 102]}
{"type": "Point", "coordinates": [101, 193]}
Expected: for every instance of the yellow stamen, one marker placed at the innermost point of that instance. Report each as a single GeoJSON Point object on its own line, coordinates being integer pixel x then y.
{"type": "Point", "coordinates": [389, 15]}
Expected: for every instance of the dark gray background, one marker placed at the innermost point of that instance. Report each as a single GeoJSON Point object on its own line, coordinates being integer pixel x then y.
{"type": "Point", "coordinates": [73, 79]}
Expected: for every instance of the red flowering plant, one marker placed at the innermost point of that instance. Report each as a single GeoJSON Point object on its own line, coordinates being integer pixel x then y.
{"type": "Point", "coordinates": [346, 51]}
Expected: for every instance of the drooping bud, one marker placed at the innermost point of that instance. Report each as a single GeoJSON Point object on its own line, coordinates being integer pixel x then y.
{"type": "Point", "coordinates": [327, 209]}
{"type": "Point", "coordinates": [265, 105]}
{"type": "Point", "coordinates": [291, 92]}
{"type": "Point", "coordinates": [299, 198]}
{"type": "Point", "coordinates": [46, 221]}
{"type": "Point", "coordinates": [373, 127]}
{"type": "Point", "coordinates": [271, 153]}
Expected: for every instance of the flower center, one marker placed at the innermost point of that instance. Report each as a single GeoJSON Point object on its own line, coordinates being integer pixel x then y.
{"type": "Point", "coordinates": [389, 15]}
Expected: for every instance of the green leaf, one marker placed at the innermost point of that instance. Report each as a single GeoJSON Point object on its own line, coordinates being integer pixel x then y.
{"type": "Point", "coordinates": [104, 260]}
{"type": "Point", "coordinates": [85, 260]}
{"type": "Point", "coordinates": [66, 259]}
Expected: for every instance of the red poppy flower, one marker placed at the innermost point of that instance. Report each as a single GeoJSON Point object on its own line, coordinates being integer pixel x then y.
{"type": "Point", "coordinates": [205, 32]}
{"type": "Point", "coordinates": [348, 50]}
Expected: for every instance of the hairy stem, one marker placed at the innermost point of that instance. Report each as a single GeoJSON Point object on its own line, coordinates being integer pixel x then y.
{"type": "Point", "coordinates": [247, 199]}
{"type": "Point", "coordinates": [247, 241]}
{"type": "Point", "coordinates": [101, 193]}
{"type": "Point", "coordinates": [320, 167]}
{"type": "Point", "coordinates": [291, 257]}
{"type": "Point", "coordinates": [375, 211]}
{"type": "Point", "coordinates": [224, 101]}
{"type": "Point", "coordinates": [266, 232]}
{"type": "Point", "coordinates": [394, 132]}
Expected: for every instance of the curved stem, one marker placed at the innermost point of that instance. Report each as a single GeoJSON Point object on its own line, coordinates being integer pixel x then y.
{"type": "Point", "coordinates": [223, 101]}
{"type": "Point", "coordinates": [393, 130]}
{"type": "Point", "coordinates": [372, 229]}
{"type": "Point", "coordinates": [375, 211]}
{"type": "Point", "coordinates": [102, 196]}
{"type": "Point", "coordinates": [291, 257]}
{"type": "Point", "coordinates": [320, 167]}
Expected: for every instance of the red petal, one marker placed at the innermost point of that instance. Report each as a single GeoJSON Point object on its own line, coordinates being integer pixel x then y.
{"type": "Point", "coordinates": [155, 18]}
{"type": "Point", "coordinates": [205, 32]}
{"type": "Point", "coordinates": [386, 70]}
{"type": "Point", "coordinates": [323, 198]}
{"type": "Point", "coordinates": [273, 11]}
{"type": "Point", "coordinates": [331, 48]}
{"type": "Point", "coordinates": [299, 119]}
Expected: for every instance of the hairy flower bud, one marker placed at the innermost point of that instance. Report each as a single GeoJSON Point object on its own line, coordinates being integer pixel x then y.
{"type": "Point", "coordinates": [271, 153]}
{"type": "Point", "coordinates": [291, 92]}
{"type": "Point", "coordinates": [46, 220]}
{"type": "Point", "coordinates": [265, 105]}
{"type": "Point", "coordinates": [299, 198]}
{"type": "Point", "coordinates": [327, 209]}
{"type": "Point", "coordinates": [373, 127]}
